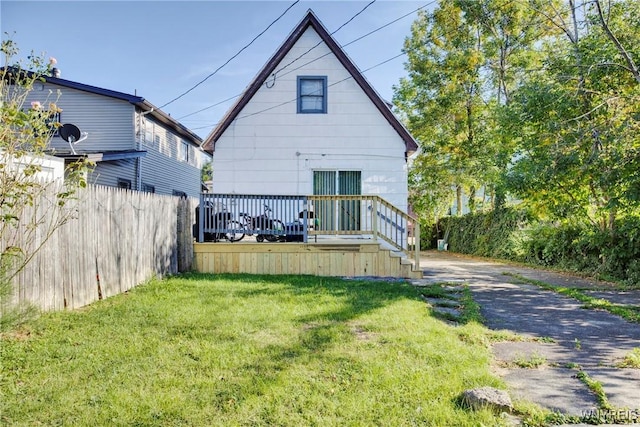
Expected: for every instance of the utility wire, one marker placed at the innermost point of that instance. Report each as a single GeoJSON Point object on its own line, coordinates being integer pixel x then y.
{"type": "Point", "coordinates": [361, 37]}
{"type": "Point", "coordinates": [347, 78]}
{"type": "Point", "coordinates": [328, 86]}
{"type": "Point", "coordinates": [296, 98]}
{"type": "Point", "coordinates": [274, 74]}
{"type": "Point", "coordinates": [326, 54]}
{"type": "Point", "coordinates": [340, 81]}
{"type": "Point", "coordinates": [210, 106]}
{"type": "Point", "coordinates": [233, 57]}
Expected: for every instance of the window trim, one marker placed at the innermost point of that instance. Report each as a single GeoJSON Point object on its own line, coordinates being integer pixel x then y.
{"type": "Point", "coordinates": [324, 95]}
{"type": "Point", "coordinates": [183, 151]}
{"type": "Point", "coordinates": [50, 119]}
{"type": "Point", "coordinates": [54, 117]}
{"type": "Point", "coordinates": [124, 184]}
{"type": "Point", "coordinates": [148, 188]}
{"type": "Point", "coordinates": [147, 138]}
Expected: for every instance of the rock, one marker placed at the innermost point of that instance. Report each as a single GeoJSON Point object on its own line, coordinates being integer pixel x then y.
{"type": "Point", "coordinates": [447, 311]}
{"type": "Point", "coordinates": [440, 302]}
{"type": "Point", "coordinates": [487, 397]}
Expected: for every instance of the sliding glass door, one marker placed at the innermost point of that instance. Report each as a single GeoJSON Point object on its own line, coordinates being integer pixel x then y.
{"type": "Point", "coordinates": [342, 214]}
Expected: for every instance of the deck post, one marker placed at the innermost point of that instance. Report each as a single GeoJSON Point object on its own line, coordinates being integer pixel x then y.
{"type": "Point", "coordinates": [305, 219]}
{"type": "Point", "coordinates": [416, 243]}
{"type": "Point", "coordinates": [201, 220]}
{"type": "Point", "coordinates": [374, 217]}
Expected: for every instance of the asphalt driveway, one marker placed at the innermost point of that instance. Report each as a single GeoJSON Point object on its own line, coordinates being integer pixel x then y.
{"type": "Point", "coordinates": [566, 336]}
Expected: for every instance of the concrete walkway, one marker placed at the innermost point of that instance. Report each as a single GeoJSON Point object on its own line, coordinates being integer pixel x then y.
{"type": "Point", "coordinates": [567, 338]}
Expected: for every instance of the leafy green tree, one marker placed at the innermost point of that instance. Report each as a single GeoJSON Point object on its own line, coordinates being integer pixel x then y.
{"type": "Point", "coordinates": [206, 174]}
{"type": "Point", "coordinates": [441, 99]}
{"type": "Point", "coordinates": [577, 119]}
{"type": "Point", "coordinates": [464, 61]}
{"type": "Point", "coordinates": [25, 133]}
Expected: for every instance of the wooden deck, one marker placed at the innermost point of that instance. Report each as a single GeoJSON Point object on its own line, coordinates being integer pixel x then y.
{"type": "Point", "coordinates": [326, 257]}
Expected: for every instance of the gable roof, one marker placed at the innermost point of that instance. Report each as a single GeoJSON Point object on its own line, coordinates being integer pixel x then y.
{"type": "Point", "coordinates": [144, 105]}
{"type": "Point", "coordinates": [310, 20]}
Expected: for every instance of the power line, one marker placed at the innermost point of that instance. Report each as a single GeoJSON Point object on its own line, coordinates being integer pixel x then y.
{"type": "Point", "coordinates": [365, 70]}
{"type": "Point", "coordinates": [210, 106]}
{"type": "Point", "coordinates": [296, 98]}
{"type": "Point", "coordinates": [328, 86]}
{"type": "Point", "coordinates": [363, 36]}
{"type": "Point", "coordinates": [233, 57]}
{"type": "Point", "coordinates": [313, 47]}
{"type": "Point", "coordinates": [275, 73]}
{"type": "Point", "coordinates": [326, 54]}
{"type": "Point", "coordinates": [347, 78]}
{"type": "Point", "coordinates": [340, 81]}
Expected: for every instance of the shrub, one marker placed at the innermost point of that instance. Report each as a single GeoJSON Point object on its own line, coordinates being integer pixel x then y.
{"type": "Point", "coordinates": [512, 234]}
{"type": "Point", "coordinates": [494, 234]}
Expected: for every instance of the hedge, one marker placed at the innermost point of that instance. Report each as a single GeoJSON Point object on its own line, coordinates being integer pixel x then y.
{"type": "Point", "coordinates": [513, 234]}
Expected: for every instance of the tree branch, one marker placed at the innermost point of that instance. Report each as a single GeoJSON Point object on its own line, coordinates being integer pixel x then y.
{"type": "Point", "coordinates": [623, 52]}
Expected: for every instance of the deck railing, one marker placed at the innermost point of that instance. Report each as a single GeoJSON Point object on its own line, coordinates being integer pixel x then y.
{"type": "Point", "coordinates": [298, 218]}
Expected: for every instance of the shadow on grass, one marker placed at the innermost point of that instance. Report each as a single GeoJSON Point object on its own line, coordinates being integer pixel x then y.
{"type": "Point", "coordinates": [319, 331]}
{"type": "Point", "coordinates": [358, 295]}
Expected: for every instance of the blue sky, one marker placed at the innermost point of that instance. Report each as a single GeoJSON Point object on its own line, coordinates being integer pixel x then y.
{"type": "Point", "coordinates": [160, 49]}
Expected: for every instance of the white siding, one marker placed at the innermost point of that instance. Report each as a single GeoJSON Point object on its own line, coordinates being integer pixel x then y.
{"type": "Point", "coordinates": [51, 168]}
{"type": "Point", "coordinates": [270, 149]}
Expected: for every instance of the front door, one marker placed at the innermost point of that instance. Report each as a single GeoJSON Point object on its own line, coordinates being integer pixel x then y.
{"type": "Point", "coordinates": [344, 215]}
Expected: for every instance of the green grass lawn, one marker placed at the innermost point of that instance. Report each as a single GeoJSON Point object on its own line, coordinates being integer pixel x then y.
{"type": "Point", "coordinates": [207, 350]}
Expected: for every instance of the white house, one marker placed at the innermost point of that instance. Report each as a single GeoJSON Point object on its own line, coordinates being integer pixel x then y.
{"type": "Point", "coordinates": [50, 168]}
{"type": "Point", "coordinates": [134, 144]}
{"type": "Point", "coordinates": [310, 123]}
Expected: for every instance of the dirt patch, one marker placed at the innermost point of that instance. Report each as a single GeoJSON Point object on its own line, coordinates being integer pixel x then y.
{"type": "Point", "coordinates": [362, 334]}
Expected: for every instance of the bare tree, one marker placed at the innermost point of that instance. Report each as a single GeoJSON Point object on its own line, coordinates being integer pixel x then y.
{"type": "Point", "coordinates": [32, 205]}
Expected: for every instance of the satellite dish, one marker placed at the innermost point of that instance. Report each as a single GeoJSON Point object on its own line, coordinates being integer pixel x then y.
{"type": "Point", "coordinates": [69, 132]}
{"type": "Point", "coordinates": [72, 135]}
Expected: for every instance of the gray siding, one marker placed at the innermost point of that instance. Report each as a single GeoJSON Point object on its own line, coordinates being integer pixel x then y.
{"type": "Point", "coordinates": [114, 125]}
{"type": "Point", "coordinates": [163, 167]}
{"type": "Point", "coordinates": [107, 173]}
{"type": "Point", "coordinates": [108, 121]}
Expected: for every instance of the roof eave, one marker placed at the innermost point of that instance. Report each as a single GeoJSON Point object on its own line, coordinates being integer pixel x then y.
{"type": "Point", "coordinates": [209, 143]}
{"type": "Point", "coordinates": [310, 20]}
{"type": "Point", "coordinates": [167, 120]}
{"type": "Point", "coordinates": [135, 100]}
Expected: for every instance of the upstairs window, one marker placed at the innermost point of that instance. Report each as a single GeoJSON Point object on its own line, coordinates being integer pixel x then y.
{"type": "Point", "coordinates": [148, 134]}
{"type": "Point", "coordinates": [52, 119]}
{"type": "Point", "coordinates": [312, 94]}
{"type": "Point", "coordinates": [183, 151]}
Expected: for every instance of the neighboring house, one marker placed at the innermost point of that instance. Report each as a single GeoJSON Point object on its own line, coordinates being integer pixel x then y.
{"type": "Point", "coordinates": [51, 168]}
{"type": "Point", "coordinates": [133, 144]}
{"type": "Point", "coordinates": [310, 123]}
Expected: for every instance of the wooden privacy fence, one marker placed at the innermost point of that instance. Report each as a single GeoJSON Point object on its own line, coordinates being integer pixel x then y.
{"type": "Point", "coordinates": [114, 240]}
